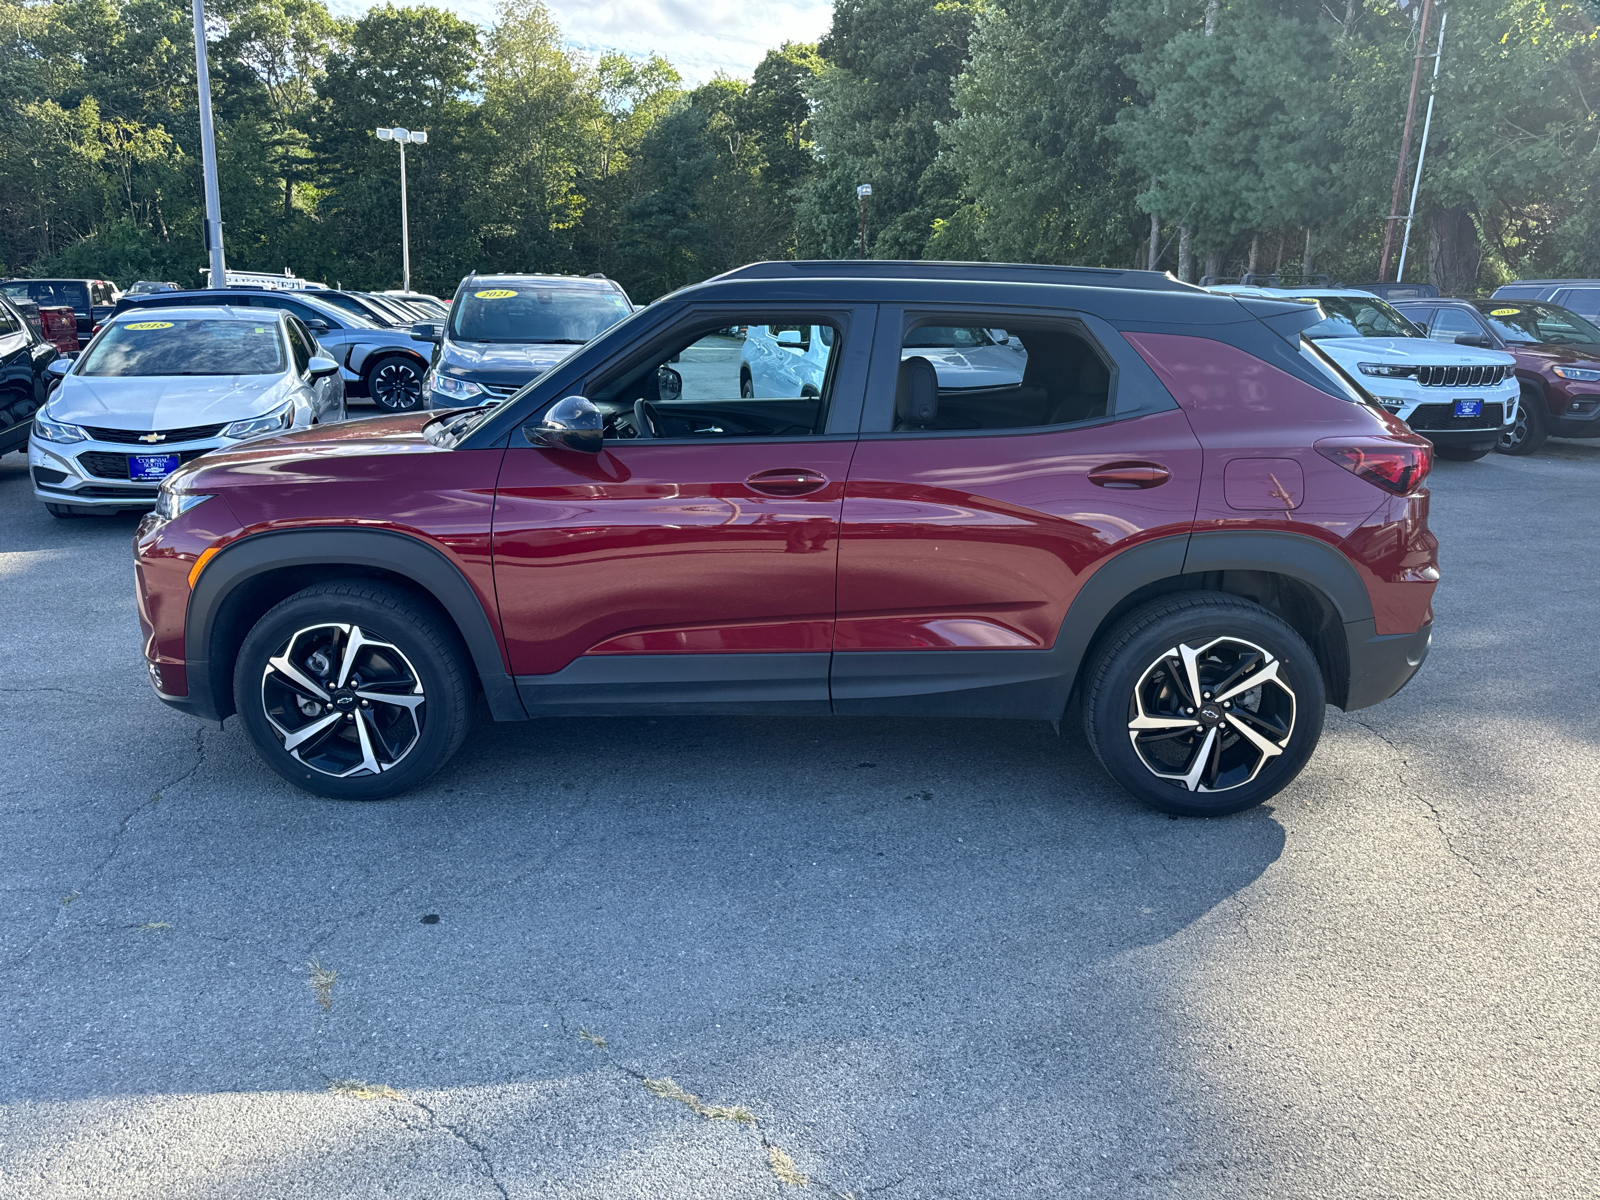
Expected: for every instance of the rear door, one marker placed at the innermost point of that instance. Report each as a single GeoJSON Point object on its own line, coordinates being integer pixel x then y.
{"type": "Point", "coordinates": [1583, 301]}
{"type": "Point", "coordinates": [692, 562]}
{"type": "Point", "coordinates": [967, 533]}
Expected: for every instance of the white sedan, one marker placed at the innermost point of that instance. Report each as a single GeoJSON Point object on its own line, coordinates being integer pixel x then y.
{"type": "Point", "coordinates": [156, 389]}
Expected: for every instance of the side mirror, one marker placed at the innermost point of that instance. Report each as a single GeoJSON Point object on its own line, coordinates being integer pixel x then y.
{"type": "Point", "coordinates": [317, 325]}
{"type": "Point", "coordinates": [571, 423]}
{"type": "Point", "coordinates": [321, 368]}
{"type": "Point", "coordinates": [427, 331]}
{"type": "Point", "coordinates": [1472, 339]}
{"type": "Point", "coordinates": [59, 367]}
{"type": "Point", "coordinates": [669, 384]}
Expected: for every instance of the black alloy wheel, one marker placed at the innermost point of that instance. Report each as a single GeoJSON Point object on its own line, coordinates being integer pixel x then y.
{"type": "Point", "coordinates": [353, 690]}
{"type": "Point", "coordinates": [1203, 704]}
{"type": "Point", "coordinates": [1529, 431]}
{"type": "Point", "coordinates": [395, 383]}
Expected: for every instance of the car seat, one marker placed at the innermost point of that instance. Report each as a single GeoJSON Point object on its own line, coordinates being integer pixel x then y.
{"type": "Point", "coordinates": [916, 395]}
{"type": "Point", "coordinates": [1087, 399]}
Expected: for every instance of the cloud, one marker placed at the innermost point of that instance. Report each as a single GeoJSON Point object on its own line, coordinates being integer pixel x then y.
{"type": "Point", "coordinates": [699, 37]}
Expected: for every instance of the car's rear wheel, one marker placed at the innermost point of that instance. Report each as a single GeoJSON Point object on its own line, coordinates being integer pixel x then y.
{"type": "Point", "coordinates": [1528, 433]}
{"type": "Point", "coordinates": [1203, 704]}
{"type": "Point", "coordinates": [395, 383]}
{"type": "Point", "coordinates": [747, 386]}
{"type": "Point", "coordinates": [352, 690]}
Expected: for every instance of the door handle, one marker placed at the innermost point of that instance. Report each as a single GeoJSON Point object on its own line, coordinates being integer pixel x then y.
{"type": "Point", "coordinates": [1130, 475]}
{"type": "Point", "coordinates": [786, 481]}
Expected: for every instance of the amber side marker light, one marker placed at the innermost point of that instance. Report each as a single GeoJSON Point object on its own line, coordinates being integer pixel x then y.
{"type": "Point", "coordinates": [200, 564]}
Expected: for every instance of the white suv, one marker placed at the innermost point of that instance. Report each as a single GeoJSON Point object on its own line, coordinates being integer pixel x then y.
{"type": "Point", "coordinates": [1460, 398]}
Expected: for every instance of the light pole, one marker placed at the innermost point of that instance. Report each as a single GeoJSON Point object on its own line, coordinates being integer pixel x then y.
{"type": "Point", "coordinates": [208, 153]}
{"type": "Point", "coordinates": [862, 193]}
{"type": "Point", "coordinates": [1405, 138]}
{"type": "Point", "coordinates": [1416, 182]}
{"type": "Point", "coordinates": [401, 137]}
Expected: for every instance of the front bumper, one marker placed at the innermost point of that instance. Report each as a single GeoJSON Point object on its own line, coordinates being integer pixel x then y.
{"type": "Point", "coordinates": [93, 476]}
{"type": "Point", "coordinates": [1381, 664]}
{"type": "Point", "coordinates": [1579, 416]}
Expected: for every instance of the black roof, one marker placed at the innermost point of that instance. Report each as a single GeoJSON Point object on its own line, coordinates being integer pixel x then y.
{"type": "Point", "coordinates": [892, 268]}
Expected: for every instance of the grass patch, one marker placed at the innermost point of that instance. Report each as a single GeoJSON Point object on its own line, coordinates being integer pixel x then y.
{"type": "Point", "coordinates": [668, 1090]}
{"type": "Point", "coordinates": [783, 1167]}
{"type": "Point", "coordinates": [322, 983]}
{"type": "Point", "coordinates": [594, 1039]}
{"type": "Point", "coordinates": [360, 1089]}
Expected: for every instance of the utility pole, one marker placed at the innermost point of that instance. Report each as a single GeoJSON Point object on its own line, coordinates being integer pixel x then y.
{"type": "Point", "coordinates": [1405, 144]}
{"type": "Point", "coordinates": [862, 193]}
{"type": "Point", "coordinates": [400, 136]}
{"type": "Point", "coordinates": [208, 153]}
{"type": "Point", "coordinates": [1422, 152]}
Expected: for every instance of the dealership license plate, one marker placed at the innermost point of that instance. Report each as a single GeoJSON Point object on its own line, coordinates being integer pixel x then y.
{"type": "Point", "coordinates": [1469, 408]}
{"type": "Point", "coordinates": [149, 468]}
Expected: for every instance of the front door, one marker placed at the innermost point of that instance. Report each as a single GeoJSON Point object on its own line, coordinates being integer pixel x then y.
{"type": "Point", "coordinates": [691, 564]}
{"type": "Point", "coordinates": [1003, 459]}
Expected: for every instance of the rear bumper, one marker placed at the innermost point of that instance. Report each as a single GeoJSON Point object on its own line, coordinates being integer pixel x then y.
{"type": "Point", "coordinates": [1381, 664]}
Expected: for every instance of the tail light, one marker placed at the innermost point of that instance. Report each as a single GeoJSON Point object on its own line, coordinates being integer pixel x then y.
{"type": "Point", "coordinates": [1397, 464]}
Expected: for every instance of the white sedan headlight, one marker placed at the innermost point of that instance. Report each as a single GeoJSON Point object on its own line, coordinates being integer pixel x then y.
{"type": "Point", "coordinates": [275, 421]}
{"type": "Point", "coordinates": [48, 430]}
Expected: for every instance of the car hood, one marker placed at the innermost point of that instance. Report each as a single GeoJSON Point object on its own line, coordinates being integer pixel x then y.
{"type": "Point", "coordinates": [1413, 350]}
{"type": "Point", "coordinates": [347, 450]}
{"type": "Point", "coordinates": [1560, 356]}
{"type": "Point", "coordinates": [502, 362]}
{"type": "Point", "coordinates": [165, 401]}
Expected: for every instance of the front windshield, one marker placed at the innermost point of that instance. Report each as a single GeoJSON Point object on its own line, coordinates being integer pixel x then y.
{"type": "Point", "coordinates": [186, 346]}
{"type": "Point", "coordinates": [1539, 324]}
{"type": "Point", "coordinates": [947, 337]}
{"type": "Point", "coordinates": [1358, 317]}
{"type": "Point", "coordinates": [535, 313]}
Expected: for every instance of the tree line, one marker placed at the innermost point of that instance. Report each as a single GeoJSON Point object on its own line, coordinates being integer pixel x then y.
{"type": "Point", "coordinates": [1199, 136]}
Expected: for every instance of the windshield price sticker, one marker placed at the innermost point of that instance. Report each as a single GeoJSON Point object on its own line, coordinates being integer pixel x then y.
{"type": "Point", "coordinates": [1504, 312]}
{"type": "Point", "coordinates": [149, 325]}
{"type": "Point", "coordinates": [495, 294]}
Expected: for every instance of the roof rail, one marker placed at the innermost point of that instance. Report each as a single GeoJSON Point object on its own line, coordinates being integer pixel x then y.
{"type": "Point", "coordinates": [1269, 280]}
{"type": "Point", "coordinates": [890, 268]}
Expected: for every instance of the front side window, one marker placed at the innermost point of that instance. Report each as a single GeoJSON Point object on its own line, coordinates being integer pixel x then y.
{"type": "Point", "coordinates": [529, 312]}
{"type": "Point", "coordinates": [763, 379]}
{"type": "Point", "coordinates": [979, 377]}
{"type": "Point", "coordinates": [1357, 317]}
{"type": "Point", "coordinates": [1452, 322]}
{"type": "Point", "coordinates": [300, 345]}
{"type": "Point", "coordinates": [1539, 324]}
{"type": "Point", "coordinates": [186, 346]}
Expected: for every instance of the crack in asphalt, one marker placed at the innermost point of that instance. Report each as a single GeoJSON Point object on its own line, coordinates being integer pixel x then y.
{"type": "Point", "coordinates": [117, 836]}
{"type": "Point", "coordinates": [1418, 795]}
{"type": "Point", "coordinates": [482, 1152]}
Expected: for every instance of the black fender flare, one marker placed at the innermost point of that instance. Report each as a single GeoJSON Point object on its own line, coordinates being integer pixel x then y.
{"type": "Point", "coordinates": [1300, 556]}
{"type": "Point", "coordinates": [258, 554]}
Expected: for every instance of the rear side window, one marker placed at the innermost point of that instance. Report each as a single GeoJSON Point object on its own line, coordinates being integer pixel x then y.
{"type": "Point", "coordinates": [1024, 375]}
{"type": "Point", "coordinates": [1583, 301]}
{"type": "Point", "coordinates": [48, 292]}
{"type": "Point", "coordinates": [8, 320]}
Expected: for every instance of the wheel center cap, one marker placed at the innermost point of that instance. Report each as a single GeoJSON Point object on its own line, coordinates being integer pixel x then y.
{"type": "Point", "coordinates": [344, 700]}
{"type": "Point", "coordinates": [1210, 715]}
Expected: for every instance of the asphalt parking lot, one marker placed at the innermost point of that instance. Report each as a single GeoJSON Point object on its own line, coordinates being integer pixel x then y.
{"type": "Point", "coordinates": [728, 958]}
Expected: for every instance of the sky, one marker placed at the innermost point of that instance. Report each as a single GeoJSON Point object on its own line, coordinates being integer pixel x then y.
{"type": "Point", "coordinates": [699, 37]}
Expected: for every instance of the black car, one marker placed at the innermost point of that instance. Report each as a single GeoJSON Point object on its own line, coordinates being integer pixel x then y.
{"type": "Point", "coordinates": [1581, 296]}
{"type": "Point", "coordinates": [91, 300]}
{"type": "Point", "coordinates": [24, 381]}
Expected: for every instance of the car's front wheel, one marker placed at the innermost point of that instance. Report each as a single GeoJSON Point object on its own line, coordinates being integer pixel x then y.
{"type": "Point", "coordinates": [395, 383]}
{"type": "Point", "coordinates": [747, 386]}
{"type": "Point", "coordinates": [1203, 704]}
{"type": "Point", "coordinates": [1529, 431]}
{"type": "Point", "coordinates": [352, 690]}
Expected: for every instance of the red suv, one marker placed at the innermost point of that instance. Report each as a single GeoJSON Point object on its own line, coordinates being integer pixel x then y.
{"type": "Point", "coordinates": [1003, 487]}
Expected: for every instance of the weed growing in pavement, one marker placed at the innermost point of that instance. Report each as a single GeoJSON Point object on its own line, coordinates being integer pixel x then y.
{"type": "Point", "coordinates": [322, 983]}
{"type": "Point", "coordinates": [783, 1167]}
{"type": "Point", "coordinates": [669, 1090]}
{"type": "Point", "coordinates": [594, 1039]}
{"type": "Point", "coordinates": [360, 1089]}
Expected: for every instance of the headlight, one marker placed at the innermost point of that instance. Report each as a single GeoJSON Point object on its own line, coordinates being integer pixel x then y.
{"type": "Point", "coordinates": [1392, 403]}
{"type": "Point", "coordinates": [1582, 374]}
{"type": "Point", "coordinates": [54, 431]}
{"type": "Point", "coordinates": [275, 421]}
{"type": "Point", "coordinates": [455, 389]}
{"type": "Point", "coordinates": [1386, 370]}
{"type": "Point", "coordinates": [170, 504]}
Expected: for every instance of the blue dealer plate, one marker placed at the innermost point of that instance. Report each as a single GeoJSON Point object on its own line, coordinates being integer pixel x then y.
{"type": "Point", "coordinates": [150, 468]}
{"type": "Point", "coordinates": [1469, 408]}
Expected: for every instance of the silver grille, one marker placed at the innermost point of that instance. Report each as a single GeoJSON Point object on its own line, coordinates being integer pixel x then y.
{"type": "Point", "coordinates": [1461, 376]}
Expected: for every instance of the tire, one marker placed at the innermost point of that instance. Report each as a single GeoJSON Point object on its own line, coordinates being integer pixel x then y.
{"type": "Point", "coordinates": [284, 686]}
{"type": "Point", "coordinates": [1461, 454]}
{"type": "Point", "coordinates": [1528, 434]}
{"type": "Point", "coordinates": [1133, 679]}
{"type": "Point", "coordinates": [747, 387]}
{"type": "Point", "coordinates": [395, 383]}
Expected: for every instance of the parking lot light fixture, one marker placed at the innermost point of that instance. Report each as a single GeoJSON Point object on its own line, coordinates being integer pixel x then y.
{"type": "Point", "coordinates": [400, 135]}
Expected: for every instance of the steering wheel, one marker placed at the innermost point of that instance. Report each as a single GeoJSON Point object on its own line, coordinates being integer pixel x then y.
{"type": "Point", "coordinates": [646, 421]}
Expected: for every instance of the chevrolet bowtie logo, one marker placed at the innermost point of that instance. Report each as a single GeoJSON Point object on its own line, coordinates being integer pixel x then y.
{"type": "Point", "coordinates": [152, 437]}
